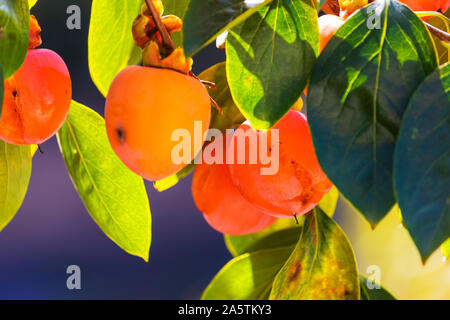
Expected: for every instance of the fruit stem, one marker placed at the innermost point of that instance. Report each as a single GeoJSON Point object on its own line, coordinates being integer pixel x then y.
{"type": "Point", "coordinates": [442, 35]}
{"type": "Point", "coordinates": [167, 39]}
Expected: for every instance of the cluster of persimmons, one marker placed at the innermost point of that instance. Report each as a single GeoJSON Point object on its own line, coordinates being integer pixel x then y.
{"type": "Point", "coordinates": [146, 104]}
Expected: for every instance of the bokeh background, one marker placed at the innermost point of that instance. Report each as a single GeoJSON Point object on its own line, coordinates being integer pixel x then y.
{"type": "Point", "coordinates": [53, 230]}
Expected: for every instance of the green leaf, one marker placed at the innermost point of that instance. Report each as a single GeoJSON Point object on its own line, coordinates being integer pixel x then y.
{"type": "Point", "coordinates": [230, 117]}
{"type": "Point", "coordinates": [359, 90]}
{"type": "Point", "coordinates": [422, 164]}
{"type": "Point", "coordinates": [329, 202]}
{"type": "Point", "coordinates": [446, 249]}
{"type": "Point", "coordinates": [31, 3]}
{"type": "Point", "coordinates": [373, 294]}
{"type": "Point", "coordinates": [114, 196]}
{"type": "Point", "coordinates": [247, 277]}
{"type": "Point", "coordinates": [322, 266]}
{"type": "Point", "coordinates": [14, 29]}
{"type": "Point", "coordinates": [15, 172]}
{"type": "Point", "coordinates": [270, 57]}
{"type": "Point", "coordinates": [206, 19]}
{"type": "Point", "coordinates": [177, 8]}
{"type": "Point", "coordinates": [110, 41]}
{"type": "Point", "coordinates": [284, 232]}
{"type": "Point", "coordinates": [169, 182]}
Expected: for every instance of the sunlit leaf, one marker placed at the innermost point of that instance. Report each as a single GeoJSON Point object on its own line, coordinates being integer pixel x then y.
{"type": "Point", "coordinates": [114, 196]}
{"type": "Point", "coordinates": [15, 171]}
{"type": "Point", "coordinates": [110, 41]}
{"type": "Point", "coordinates": [321, 267]}
{"type": "Point", "coordinates": [247, 277]}
{"type": "Point", "coordinates": [422, 164]}
{"type": "Point", "coordinates": [359, 90]}
{"type": "Point", "coordinates": [270, 57]}
{"type": "Point", "coordinates": [329, 202]}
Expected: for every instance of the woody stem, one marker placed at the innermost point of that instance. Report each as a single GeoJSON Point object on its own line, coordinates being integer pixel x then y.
{"type": "Point", "coordinates": [442, 35]}
{"type": "Point", "coordinates": [166, 38]}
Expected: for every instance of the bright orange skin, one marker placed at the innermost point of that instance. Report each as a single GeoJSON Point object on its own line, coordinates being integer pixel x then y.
{"type": "Point", "coordinates": [328, 25]}
{"type": "Point", "coordinates": [299, 184]}
{"type": "Point", "coordinates": [428, 5]}
{"type": "Point", "coordinates": [223, 207]}
{"type": "Point", "coordinates": [144, 107]}
{"type": "Point", "coordinates": [36, 99]}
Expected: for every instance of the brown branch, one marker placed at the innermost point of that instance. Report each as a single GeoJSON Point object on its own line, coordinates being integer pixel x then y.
{"type": "Point", "coordinates": [166, 38]}
{"type": "Point", "coordinates": [442, 35]}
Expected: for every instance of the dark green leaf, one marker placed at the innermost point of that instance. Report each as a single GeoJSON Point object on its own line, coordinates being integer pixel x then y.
{"type": "Point", "coordinates": [322, 266]}
{"type": "Point", "coordinates": [422, 164]}
{"type": "Point", "coordinates": [359, 90]}
{"type": "Point", "coordinates": [206, 19]}
{"type": "Point", "coordinates": [284, 232]}
{"type": "Point", "coordinates": [177, 8]}
{"type": "Point", "coordinates": [373, 294]}
{"type": "Point", "coordinates": [14, 30]}
{"type": "Point", "coordinates": [15, 171]}
{"type": "Point", "coordinates": [270, 57]}
{"type": "Point", "coordinates": [110, 42]}
{"type": "Point", "coordinates": [230, 117]}
{"type": "Point", "coordinates": [247, 277]}
{"type": "Point", "coordinates": [114, 196]}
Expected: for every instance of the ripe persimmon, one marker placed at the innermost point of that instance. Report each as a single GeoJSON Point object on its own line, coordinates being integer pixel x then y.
{"type": "Point", "coordinates": [223, 207]}
{"type": "Point", "coordinates": [36, 99]}
{"type": "Point", "coordinates": [144, 107]}
{"type": "Point", "coordinates": [328, 25]}
{"type": "Point", "coordinates": [427, 5]}
{"type": "Point", "coordinates": [298, 185]}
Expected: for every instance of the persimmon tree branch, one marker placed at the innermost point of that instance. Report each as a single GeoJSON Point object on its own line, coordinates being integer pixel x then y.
{"type": "Point", "coordinates": [166, 38]}
{"type": "Point", "coordinates": [442, 35]}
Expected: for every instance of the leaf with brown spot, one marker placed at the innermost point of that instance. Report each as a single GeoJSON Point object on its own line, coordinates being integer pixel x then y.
{"type": "Point", "coordinates": [322, 266]}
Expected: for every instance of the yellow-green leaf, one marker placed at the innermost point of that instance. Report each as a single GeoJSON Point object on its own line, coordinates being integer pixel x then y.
{"type": "Point", "coordinates": [114, 196]}
{"type": "Point", "coordinates": [321, 267]}
{"type": "Point", "coordinates": [15, 171]}
{"type": "Point", "coordinates": [110, 41]}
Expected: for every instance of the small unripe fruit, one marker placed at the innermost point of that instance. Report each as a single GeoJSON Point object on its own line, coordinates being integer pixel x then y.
{"type": "Point", "coordinates": [298, 185]}
{"type": "Point", "coordinates": [223, 207]}
{"type": "Point", "coordinates": [36, 99]}
{"type": "Point", "coordinates": [144, 107]}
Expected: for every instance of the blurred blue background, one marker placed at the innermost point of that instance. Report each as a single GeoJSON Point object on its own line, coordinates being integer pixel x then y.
{"type": "Point", "coordinates": [52, 230]}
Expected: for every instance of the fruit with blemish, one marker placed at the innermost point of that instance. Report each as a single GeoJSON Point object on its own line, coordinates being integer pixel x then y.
{"type": "Point", "coordinates": [298, 185]}
{"type": "Point", "coordinates": [144, 107]}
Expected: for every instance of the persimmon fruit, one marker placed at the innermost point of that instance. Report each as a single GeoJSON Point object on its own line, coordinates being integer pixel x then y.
{"type": "Point", "coordinates": [298, 185]}
{"type": "Point", "coordinates": [222, 205]}
{"type": "Point", "coordinates": [328, 25]}
{"type": "Point", "coordinates": [36, 99]}
{"type": "Point", "coordinates": [427, 5]}
{"type": "Point", "coordinates": [144, 107]}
